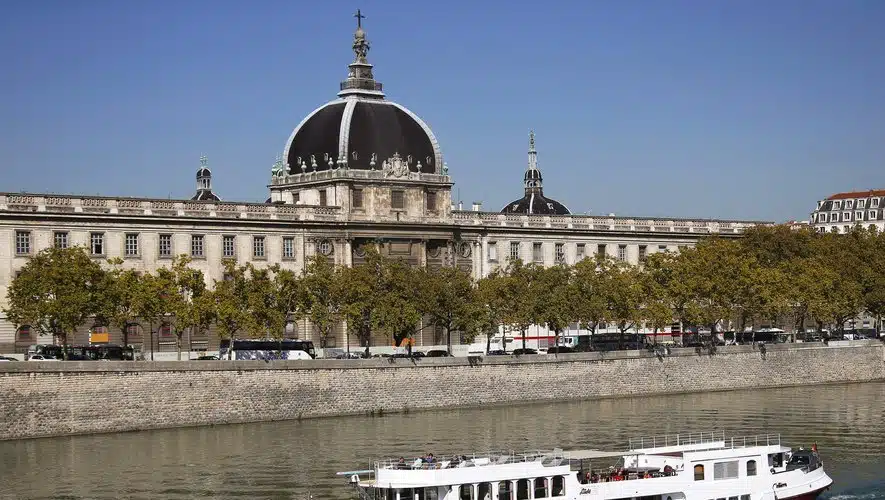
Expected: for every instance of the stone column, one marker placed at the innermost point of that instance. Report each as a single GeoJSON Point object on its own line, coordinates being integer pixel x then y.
{"type": "Point", "coordinates": [348, 252]}
{"type": "Point", "coordinates": [422, 253]}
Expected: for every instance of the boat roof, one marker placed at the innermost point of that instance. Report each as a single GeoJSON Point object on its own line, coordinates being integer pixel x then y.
{"type": "Point", "coordinates": [592, 454]}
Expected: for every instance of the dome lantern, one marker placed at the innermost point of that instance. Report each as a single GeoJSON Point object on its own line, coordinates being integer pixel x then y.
{"type": "Point", "coordinates": [534, 202]}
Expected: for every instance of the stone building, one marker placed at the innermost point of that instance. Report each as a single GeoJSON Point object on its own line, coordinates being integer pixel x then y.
{"type": "Point", "coordinates": [843, 211]}
{"type": "Point", "coordinates": [358, 170]}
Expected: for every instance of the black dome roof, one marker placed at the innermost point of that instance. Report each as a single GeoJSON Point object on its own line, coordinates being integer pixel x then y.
{"type": "Point", "coordinates": [355, 129]}
{"type": "Point", "coordinates": [535, 203]}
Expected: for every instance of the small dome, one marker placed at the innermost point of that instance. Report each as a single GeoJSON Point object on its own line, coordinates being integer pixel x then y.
{"type": "Point", "coordinates": [204, 172]}
{"type": "Point", "coordinates": [535, 203]}
{"type": "Point", "coordinates": [205, 195]}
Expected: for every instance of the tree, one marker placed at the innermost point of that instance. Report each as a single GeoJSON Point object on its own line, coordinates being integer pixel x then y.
{"type": "Point", "coordinates": [187, 307]}
{"type": "Point", "coordinates": [399, 307]}
{"type": "Point", "coordinates": [451, 300]}
{"type": "Point", "coordinates": [493, 298]}
{"type": "Point", "coordinates": [55, 292]}
{"type": "Point", "coordinates": [622, 290]}
{"type": "Point", "coordinates": [519, 307]}
{"type": "Point", "coordinates": [229, 299]}
{"type": "Point", "coordinates": [122, 291]}
{"type": "Point", "coordinates": [590, 303]}
{"type": "Point", "coordinates": [359, 291]}
{"type": "Point", "coordinates": [657, 310]}
{"type": "Point", "coordinates": [717, 273]}
{"type": "Point", "coordinates": [322, 295]}
{"type": "Point", "coordinates": [554, 304]}
{"type": "Point", "coordinates": [152, 304]}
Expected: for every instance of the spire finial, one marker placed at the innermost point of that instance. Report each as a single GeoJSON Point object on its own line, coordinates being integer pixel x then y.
{"type": "Point", "coordinates": [531, 140]}
{"type": "Point", "coordinates": [532, 179]}
{"type": "Point", "coordinates": [360, 80]}
{"type": "Point", "coordinates": [359, 19]}
{"type": "Point", "coordinates": [204, 162]}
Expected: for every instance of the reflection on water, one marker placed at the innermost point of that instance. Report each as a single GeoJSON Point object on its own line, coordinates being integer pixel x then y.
{"type": "Point", "coordinates": [289, 460]}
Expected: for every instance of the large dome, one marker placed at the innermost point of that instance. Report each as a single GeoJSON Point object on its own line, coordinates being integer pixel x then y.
{"type": "Point", "coordinates": [360, 129]}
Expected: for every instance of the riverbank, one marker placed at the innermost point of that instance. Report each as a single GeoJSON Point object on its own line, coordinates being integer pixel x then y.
{"type": "Point", "coordinates": [51, 399]}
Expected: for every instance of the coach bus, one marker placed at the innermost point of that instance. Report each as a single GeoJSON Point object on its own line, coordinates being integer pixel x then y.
{"type": "Point", "coordinates": [266, 349]}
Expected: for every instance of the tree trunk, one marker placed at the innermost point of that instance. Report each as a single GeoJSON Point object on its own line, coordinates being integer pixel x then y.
{"type": "Point", "coordinates": [151, 335]}
{"type": "Point", "coordinates": [489, 342]}
{"type": "Point", "coordinates": [556, 342]}
{"type": "Point", "coordinates": [449, 339]}
{"type": "Point", "coordinates": [64, 345]}
{"type": "Point", "coordinates": [178, 343]}
{"type": "Point", "coordinates": [522, 331]}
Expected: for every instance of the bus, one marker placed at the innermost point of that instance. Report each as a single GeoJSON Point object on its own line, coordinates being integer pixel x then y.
{"type": "Point", "coordinates": [109, 352]}
{"type": "Point", "coordinates": [266, 349]}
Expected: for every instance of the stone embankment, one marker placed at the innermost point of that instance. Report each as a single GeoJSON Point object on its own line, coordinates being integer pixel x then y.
{"type": "Point", "coordinates": [40, 399]}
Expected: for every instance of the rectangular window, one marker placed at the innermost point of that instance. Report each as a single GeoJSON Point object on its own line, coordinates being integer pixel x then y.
{"type": "Point", "coordinates": [228, 246]}
{"type": "Point", "coordinates": [559, 251]}
{"type": "Point", "coordinates": [600, 251]}
{"type": "Point", "coordinates": [580, 251]}
{"type": "Point", "coordinates": [22, 242]}
{"type": "Point", "coordinates": [431, 201]}
{"type": "Point", "coordinates": [60, 239]}
{"type": "Point", "coordinates": [130, 247]}
{"type": "Point", "coordinates": [847, 229]}
{"type": "Point", "coordinates": [745, 497]}
{"type": "Point", "coordinates": [872, 215]}
{"type": "Point", "coordinates": [397, 199]}
{"type": "Point", "coordinates": [822, 217]}
{"type": "Point", "coordinates": [643, 253]}
{"type": "Point", "coordinates": [356, 198]}
{"type": "Point", "coordinates": [258, 247]}
{"type": "Point", "coordinates": [861, 203]}
{"type": "Point", "coordinates": [622, 253]}
{"type": "Point", "coordinates": [537, 252]}
{"type": "Point", "coordinates": [96, 243]}
{"type": "Point", "coordinates": [288, 247]}
{"type": "Point", "coordinates": [322, 197]}
{"type": "Point", "coordinates": [493, 251]}
{"type": "Point", "coordinates": [197, 247]}
{"type": "Point", "coordinates": [514, 250]}
{"type": "Point", "coordinates": [837, 205]}
{"type": "Point", "coordinates": [846, 216]}
{"type": "Point", "coordinates": [725, 470]}
{"type": "Point", "coordinates": [165, 245]}
{"type": "Point", "coordinates": [849, 203]}
{"type": "Point", "coordinates": [751, 467]}
{"type": "Point", "coordinates": [874, 202]}
{"type": "Point", "coordinates": [296, 197]}
{"type": "Point", "coordinates": [662, 248]}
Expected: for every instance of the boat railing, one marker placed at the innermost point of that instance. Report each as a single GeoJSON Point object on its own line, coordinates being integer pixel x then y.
{"type": "Point", "coordinates": [701, 438]}
{"type": "Point", "coordinates": [666, 440]}
{"type": "Point", "coordinates": [549, 457]}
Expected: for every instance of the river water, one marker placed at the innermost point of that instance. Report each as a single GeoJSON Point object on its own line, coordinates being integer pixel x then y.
{"type": "Point", "coordinates": [291, 460]}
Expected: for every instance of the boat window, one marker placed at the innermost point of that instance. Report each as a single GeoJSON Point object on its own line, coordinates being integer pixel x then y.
{"type": "Point", "coordinates": [725, 470]}
{"type": "Point", "coordinates": [733, 498]}
{"type": "Point", "coordinates": [558, 486]}
{"type": "Point", "coordinates": [522, 489]}
{"type": "Point", "coordinates": [505, 490]}
{"type": "Point", "coordinates": [466, 492]}
{"type": "Point", "coordinates": [431, 493]}
{"type": "Point", "coordinates": [698, 472]}
{"type": "Point", "coordinates": [751, 467]}
{"type": "Point", "coordinates": [745, 497]}
{"type": "Point", "coordinates": [485, 491]}
{"type": "Point", "coordinates": [405, 494]}
{"type": "Point", "coordinates": [541, 487]}
{"type": "Point", "coordinates": [419, 493]}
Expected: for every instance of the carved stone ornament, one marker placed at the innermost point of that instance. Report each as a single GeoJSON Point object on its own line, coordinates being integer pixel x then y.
{"type": "Point", "coordinates": [360, 251]}
{"type": "Point", "coordinates": [464, 250]}
{"type": "Point", "coordinates": [395, 166]}
{"type": "Point", "coordinates": [434, 251]}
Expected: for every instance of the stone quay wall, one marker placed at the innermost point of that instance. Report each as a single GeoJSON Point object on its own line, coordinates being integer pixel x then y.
{"type": "Point", "coordinates": [41, 399]}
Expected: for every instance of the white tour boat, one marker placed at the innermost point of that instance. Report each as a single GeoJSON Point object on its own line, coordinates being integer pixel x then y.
{"type": "Point", "coordinates": [705, 466]}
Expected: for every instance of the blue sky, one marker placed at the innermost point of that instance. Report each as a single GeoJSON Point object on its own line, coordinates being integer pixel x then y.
{"type": "Point", "coordinates": [690, 108]}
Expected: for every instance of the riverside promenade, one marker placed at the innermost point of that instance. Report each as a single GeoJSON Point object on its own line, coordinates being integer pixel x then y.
{"type": "Point", "coordinates": [40, 399]}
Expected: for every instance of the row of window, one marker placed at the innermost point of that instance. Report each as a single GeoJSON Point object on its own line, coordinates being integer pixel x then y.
{"type": "Point", "coordinates": [847, 216]}
{"type": "Point", "coordinates": [849, 204]}
{"type": "Point", "coordinates": [132, 245]}
{"type": "Point", "coordinates": [835, 229]}
{"type": "Point", "coordinates": [559, 251]}
{"type": "Point", "coordinates": [520, 489]}
{"type": "Point", "coordinates": [397, 199]}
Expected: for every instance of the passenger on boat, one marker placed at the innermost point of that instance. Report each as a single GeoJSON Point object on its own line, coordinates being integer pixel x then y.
{"type": "Point", "coordinates": [401, 464]}
{"type": "Point", "coordinates": [429, 460]}
{"type": "Point", "coordinates": [668, 471]}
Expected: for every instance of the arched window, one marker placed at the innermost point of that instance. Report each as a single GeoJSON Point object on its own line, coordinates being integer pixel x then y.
{"type": "Point", "coordinates": [133, 332]}
{"type": "Point", "coordinates": [485, 491]}
{"type": "Point", "coordinates": [466, 492]}
{"type": "Point", "coordinates": [541, 487]}
{"type": "Point", "coordinates": [505, 490]}
{"type": "Point", "coordinates": [24, 333]}
{"type": "Point", "coordinates": [165, 330]}
{"type": "Point", "coordinates": [751, 467]}
{"type": "Point", "coordinates": [558, 486]}
{"type": "Point", "coordinates": [522, 489]}
{"type": "Point", "coordinates": [699, 472]}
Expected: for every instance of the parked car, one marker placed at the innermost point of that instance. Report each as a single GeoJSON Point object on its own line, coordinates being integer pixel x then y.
{"type": "Point", "coordinates": [41, 357]}
{"type": "Point", "coordinates": [496, 352]}
{"type": "Point", "coordinates": [438, 353]}
{"type": "Point", "coordinates": [6, 358]}
{"type": "Point", "coordinates": [208, 358]}
{"type": "Point", "coordinates": [527, 350]}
